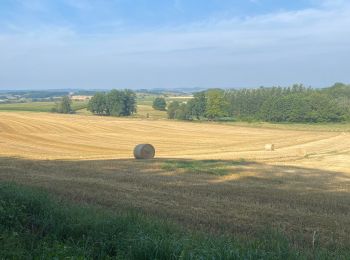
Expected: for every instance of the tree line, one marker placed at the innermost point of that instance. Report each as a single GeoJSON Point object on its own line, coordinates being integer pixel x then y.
{"type": "Point", "coordinates": [113, 103]}
{"type": "Point", "coordinates": [276, 104]}
{"type": "Point", "coordinates": [64, 106]}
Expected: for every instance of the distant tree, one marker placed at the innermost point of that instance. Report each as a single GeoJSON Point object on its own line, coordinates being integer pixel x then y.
{"type": "Point", "coordinates": [216, 104]}
{"type": "Point", "coordinates": [98, 104]}
{"type": "Point", "coordinates": [159, 103]}
{"type": "Point", "coordinates": [191, 109]}
{"type": "Point", "coordinates": [276, 104]}
{"type": "Point", "coordinates": [130, 106]}
{"type": "Point", "coordinates": [197, 105]}
{"type": "Point", "coordinates": [182, 112]}
{"type": "Point", "coordinates": [300, 107]}
{"type": "Point", "coordinates": [172, 108]}
{"type": "Point", "coordinates": [114, 103]}
{"type": "Point", "coordinates": [64, 106]}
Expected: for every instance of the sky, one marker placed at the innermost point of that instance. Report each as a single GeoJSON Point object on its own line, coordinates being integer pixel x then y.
{"type": "Point", "coordinates": [101, 44]}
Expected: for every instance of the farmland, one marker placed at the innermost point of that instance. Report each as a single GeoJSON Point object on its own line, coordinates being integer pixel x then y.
{"type": "Point", "coordinates": [48, 136]}
{"type": "Point", "coordinates": [144, 109]}
{"type": "Point", "coordinates": [39, 106]}
{"type": "Point", "coordinates": [214, 177]}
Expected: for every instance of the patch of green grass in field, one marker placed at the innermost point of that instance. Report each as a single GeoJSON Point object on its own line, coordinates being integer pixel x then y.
{"type": "Point", "coordinates": [145, 111]}
{"type": "Point", "coordinates": [78, 105]}
{"type": "Point", "coordinates": [328, 127]}
{"type": "Point", "coordinates": [317, 127]}
{"type": "Point", "coordinates": [146, 99]}
{"type": "Point", "coordinates": [34, 225]}
{"type": "Point", "coordinates": [213, 167]}
{"type": "Point", "coordinates": [39, 106]}
{"type": "Point", "coordinates": [31, 106]}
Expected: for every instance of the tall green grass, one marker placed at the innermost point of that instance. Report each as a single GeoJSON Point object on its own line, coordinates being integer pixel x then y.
{"type": "Point", "coordinates": [34, 225]}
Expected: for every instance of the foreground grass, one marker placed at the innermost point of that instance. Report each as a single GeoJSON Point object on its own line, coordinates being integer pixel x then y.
{"type": "Point", "coordinates": [39, 106]}
{"type": "Point", "coordinates": [254, 196]}
{"type": "Point", "coordinates": [32, 224]}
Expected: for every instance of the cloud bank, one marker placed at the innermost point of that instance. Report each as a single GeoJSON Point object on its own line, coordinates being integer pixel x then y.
{"type": "Point", "coordinates": [310, 46]}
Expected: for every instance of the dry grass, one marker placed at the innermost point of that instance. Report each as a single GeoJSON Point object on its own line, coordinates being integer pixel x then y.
{"type": "Point", "coordinates": [251, 197]}
{"type": "Point", "coordinates": [49, 136]}
{"type": "Point", "coordinates": [302, 187]}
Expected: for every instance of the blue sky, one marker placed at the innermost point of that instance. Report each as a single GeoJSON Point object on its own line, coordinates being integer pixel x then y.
{"type": "Point", "coordinates": [48, 44]}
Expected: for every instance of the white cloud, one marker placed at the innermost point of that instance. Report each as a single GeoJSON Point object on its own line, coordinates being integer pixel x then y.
{"type": "Point", "coordinates": [309, 46]}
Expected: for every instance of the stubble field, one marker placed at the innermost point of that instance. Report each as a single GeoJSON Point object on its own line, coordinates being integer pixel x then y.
{"type": "Point", "coordinates": [215, 177]}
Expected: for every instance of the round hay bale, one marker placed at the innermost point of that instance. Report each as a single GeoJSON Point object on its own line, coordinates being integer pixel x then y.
{"type": "Point", "coordinates": [144, 151]}
{"type": "Point", "coordinates": [269, 147]}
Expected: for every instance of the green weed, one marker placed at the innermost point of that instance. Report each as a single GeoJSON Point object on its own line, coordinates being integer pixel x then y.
{"type": "Point", "coordinates": [213, 167]}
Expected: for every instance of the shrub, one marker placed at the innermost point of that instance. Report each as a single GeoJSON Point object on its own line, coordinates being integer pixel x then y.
{"type": "Point", "coordinates": [159, 103]}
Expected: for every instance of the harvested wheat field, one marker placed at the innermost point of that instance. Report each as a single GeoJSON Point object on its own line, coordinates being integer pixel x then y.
{"type": "Point", "coordinates": [211, 176]}
{"type": "Point", "coordinates": [48, 136]}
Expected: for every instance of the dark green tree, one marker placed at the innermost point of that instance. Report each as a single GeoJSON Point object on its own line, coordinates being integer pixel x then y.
{"type": "Point", "coordinates": [313, 107]}
{"type": "Point", "coordinates": [130, 105]}
{"type": "Point", "coordinates": [172, 108]}
{"type": "Point", "coordinates": [197, 105]}
{"type": "Point", "coordinates": [159, 103]}
{"type": "Point", "coordinates": [64, 106]}
{"type": "Point", "coordinates": [182, 112]}
{"type": "Point", "coordinates": [115, 103]}
{"type": "Point", "coordinates": [98, 104]}
{"type": "Point", "coordinates": [216, 105]}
